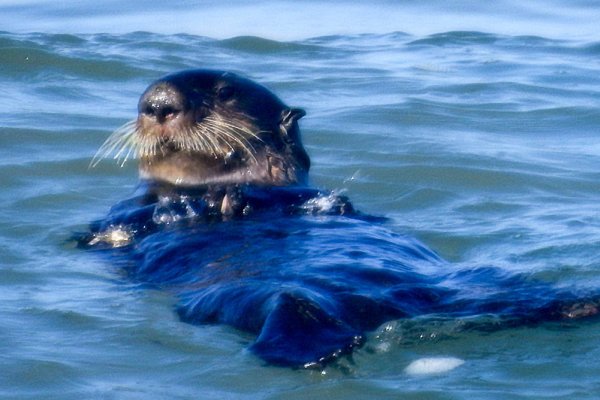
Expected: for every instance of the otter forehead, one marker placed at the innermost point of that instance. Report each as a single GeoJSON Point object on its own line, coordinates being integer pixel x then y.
{"type": "Point", "coordinates": [190, 89]}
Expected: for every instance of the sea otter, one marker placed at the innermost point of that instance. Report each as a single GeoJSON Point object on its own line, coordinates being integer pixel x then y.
{"type": "Point", "coordinates": [225, 221]}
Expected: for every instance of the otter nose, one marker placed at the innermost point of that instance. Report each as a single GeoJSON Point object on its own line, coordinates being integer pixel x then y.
{"type": "Point", "coordinates": [160, 111]}
{"type": "Point", "coordinates": [162, 102]}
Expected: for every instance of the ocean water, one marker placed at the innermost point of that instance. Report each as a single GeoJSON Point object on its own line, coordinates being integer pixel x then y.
{"type": "Point", "coordinates": [475, 129]}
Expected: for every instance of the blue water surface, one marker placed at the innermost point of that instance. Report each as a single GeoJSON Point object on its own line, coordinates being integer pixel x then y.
{"type": "Point", "coordinates": [472, 127]}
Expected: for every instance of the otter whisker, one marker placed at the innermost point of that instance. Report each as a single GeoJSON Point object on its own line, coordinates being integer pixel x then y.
{"type": "Point", "coordinates": [219, 131]}
{"type": "Point", "coordinates": [186, 141]}
{"type": "Point", "coordinates": [213, 140]}
{"type": "Point", "coordinates": [121, 138]}
{"type": "Point", "coordinates": [245, 131]}
{"type": "Point", "coordinates": [216, 131]}
{"type": "Point", "coordinates": [146, 145]}
{"type": "Point", "coordinates": [109, 146]}
{"type": "Point", "coordinates": [150, 146]}
{"type": "Point", "coordinates": [211, 132]}
{"type": "Point", "coordinates": [242, 141]}
{"type": "Point", "coordinates": [128, 146]}
{"type": "Point", "coordinates": [213, 135]}
{"type": "Point", "coordinates": [223, 134]}
{"type": "Point", "coordinates": [198, 136]}
{"type": "Point", "coordinates": [129, 150]}
{"type": "Point", "coordinates": [246, 142]}
{"type": "Point", "coordinates": [239, 134]}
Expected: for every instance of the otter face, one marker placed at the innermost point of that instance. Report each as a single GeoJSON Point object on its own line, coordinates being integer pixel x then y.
{"type": "Point", "coordinates": [208, 127]}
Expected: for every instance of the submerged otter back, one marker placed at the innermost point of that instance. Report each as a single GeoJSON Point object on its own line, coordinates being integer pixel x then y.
{"type": "Point", "coordinates": [304, 272]}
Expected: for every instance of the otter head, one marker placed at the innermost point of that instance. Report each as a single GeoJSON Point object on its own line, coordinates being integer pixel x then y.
{"type": "Point", "coordinates": [209, 127]}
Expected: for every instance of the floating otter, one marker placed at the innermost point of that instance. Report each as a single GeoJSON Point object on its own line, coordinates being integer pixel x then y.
{"type": "Point", "coordinates": [224, 221]}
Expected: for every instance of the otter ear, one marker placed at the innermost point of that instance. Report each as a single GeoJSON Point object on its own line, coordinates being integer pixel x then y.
{"type": "Point", "coordinates": [291, 115]}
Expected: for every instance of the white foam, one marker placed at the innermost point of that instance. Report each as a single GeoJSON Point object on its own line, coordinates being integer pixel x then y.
{"type": "Point", "coordinates": [433, 365]}
{"type": "Point", "coordinates": [114, 236]}
{"type": "Point", "coordinates": [321, 204]}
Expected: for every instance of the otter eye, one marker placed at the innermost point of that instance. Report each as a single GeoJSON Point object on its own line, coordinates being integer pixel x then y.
{"type": "Point", "coordinates": [225, 93]}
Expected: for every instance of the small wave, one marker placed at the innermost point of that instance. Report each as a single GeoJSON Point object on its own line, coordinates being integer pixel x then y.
{"type": "Point", "coordinates": [456, 38]}
{"type": "Point", "coordinates": [44, 55]}
{"type": "Point", "coordinates": [592, 49]}
{"type": "Point", "coordinates": [259, 45]}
